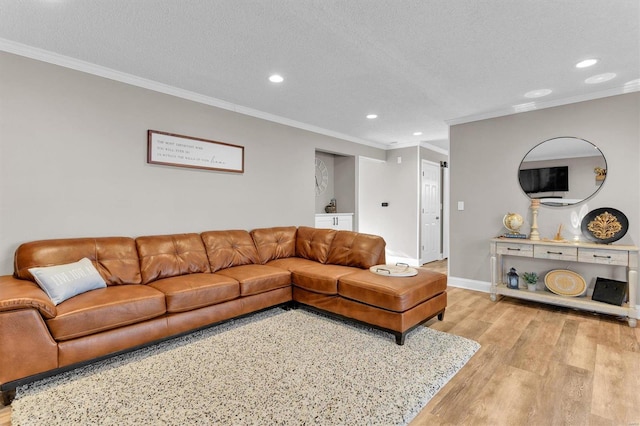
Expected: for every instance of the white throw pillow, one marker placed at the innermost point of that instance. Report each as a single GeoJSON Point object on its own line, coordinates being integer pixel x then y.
{"type": "Point", "coordinates": [62, 282]}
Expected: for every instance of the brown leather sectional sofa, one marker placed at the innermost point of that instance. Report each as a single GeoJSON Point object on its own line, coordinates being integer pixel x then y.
{"type": "Point", "coordinates": [167, 285]}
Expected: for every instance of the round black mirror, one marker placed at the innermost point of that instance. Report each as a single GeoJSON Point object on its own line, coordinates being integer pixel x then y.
{"type": "Point", "coordinates": [562, 171]}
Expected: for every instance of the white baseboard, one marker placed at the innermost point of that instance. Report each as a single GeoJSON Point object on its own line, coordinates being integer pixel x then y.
{"type": "Point", "coordinates": [483, 286]}
{"type": "Point", "coordinates": [392, 260]}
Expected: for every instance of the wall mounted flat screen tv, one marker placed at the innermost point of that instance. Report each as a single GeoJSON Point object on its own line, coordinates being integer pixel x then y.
{"type": "Point", "coordinates": [546, 179]}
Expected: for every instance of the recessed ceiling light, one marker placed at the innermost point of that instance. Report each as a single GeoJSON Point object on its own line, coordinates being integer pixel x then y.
{"type": "Point", "coordinates": [632, 86]}
{"type": "Point", "coordinates": [635, 82]}
{"type": "Point", "coordinates": [537, 93]}
{"type": "Point", "coordinates": [529, 106]}
{"type": "Point", "coordinates": [276, 78]}
{"type": "Point", "coordinates": [372, 116]}
{"type": "Point", "coordinates": [600, 78]}
{"type": "Point", "coordinates": [586, 63]}
{"type": "Point", "coordinates": [417, 133]}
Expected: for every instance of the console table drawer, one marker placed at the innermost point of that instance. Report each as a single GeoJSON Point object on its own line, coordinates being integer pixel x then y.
{"type": "Point", "coordinates": [556, 253]}
{"type": "Point", "coordinates": [605, 257]}
{"type": "Point", "coordinates": [525, 250]}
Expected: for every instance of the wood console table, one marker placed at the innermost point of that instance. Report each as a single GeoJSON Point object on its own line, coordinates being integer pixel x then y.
{"type": "Point", "coordinates": [606, 255]}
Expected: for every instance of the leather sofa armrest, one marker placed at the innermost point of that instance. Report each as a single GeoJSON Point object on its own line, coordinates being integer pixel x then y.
{"type": "Point", "coordinates": [22, 294]}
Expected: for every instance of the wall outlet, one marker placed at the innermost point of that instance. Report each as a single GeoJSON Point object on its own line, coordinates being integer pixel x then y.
{"type": "Point", "coordinates": [460, 205]}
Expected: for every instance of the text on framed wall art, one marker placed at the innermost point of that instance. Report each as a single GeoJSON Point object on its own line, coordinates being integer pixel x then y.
{"type": "Point", "coordinates": [186, 151]}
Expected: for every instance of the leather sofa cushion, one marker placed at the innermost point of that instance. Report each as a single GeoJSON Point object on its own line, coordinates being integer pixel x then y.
{"type": "Point", "coordinates": [275, 243]}
{"type": "Point", "coordinates": [396, 294]}
{"type": "Point", "coordinates": [163, 256]}
{"type": "Point", "coordinates": [229, 248]}
{"type": "Point", "coordinates": [314, 243]}
{"type": "Point", "coordinates": [321, 278]}
{"type": "Point", "coordinates": [292, 263]}
{"type": "Point", "coordinates": [105, 309]}
{"type": "Point", "coordinates": [256, 279]}
{"type": "Point", "coordinates": [116, 258]}
{"type": "Point", "coordinates": [356, 249]}
{"type": "Point", "coordinates": [192, 291]}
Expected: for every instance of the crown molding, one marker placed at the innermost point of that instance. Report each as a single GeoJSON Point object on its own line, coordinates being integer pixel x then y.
{"type": "Point", "coordinates": [434, 148]}
{"type": "Point", "coordinates": [422, 144]}
{"type": "Point", "coordinates": [111, 74]}
{"type": "Point", "coordinates": [533, 106]}
{"type": "Point", "coordinates": [398, 145]}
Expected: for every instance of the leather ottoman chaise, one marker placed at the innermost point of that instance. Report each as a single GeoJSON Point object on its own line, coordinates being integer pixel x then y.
{"type": "Point", "coordinates": [397, 304]}
{"type": "Point", "coordinates": [156, 287]}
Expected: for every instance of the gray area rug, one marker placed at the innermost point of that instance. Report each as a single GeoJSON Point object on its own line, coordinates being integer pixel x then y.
{"type": "Point", "coordinates": [276, 367]}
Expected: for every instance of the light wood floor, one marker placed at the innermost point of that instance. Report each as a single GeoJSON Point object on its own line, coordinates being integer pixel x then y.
{"type": "Point", "coordinates": [538, 365]}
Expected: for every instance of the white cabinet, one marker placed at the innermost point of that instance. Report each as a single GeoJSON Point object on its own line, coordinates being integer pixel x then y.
{"type": "Point", "coordinates": [339, 221]}
{"type": "Point", "coordinates": [604, 255]}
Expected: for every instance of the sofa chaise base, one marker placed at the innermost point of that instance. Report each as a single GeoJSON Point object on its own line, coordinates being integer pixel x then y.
{"type": "Point", "coordinates": [400, 337]}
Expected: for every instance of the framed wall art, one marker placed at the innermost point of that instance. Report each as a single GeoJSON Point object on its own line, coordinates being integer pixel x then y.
{"type": "Point", "coordinates": [185, 151]}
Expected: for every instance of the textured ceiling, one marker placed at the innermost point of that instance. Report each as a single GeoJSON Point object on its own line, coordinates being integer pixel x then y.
{"type": "Point", "coordinates": [417, 64]}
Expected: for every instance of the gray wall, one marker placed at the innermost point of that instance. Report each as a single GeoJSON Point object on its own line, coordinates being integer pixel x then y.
{"type": "Point", "coordinates": [429, 155]}
{"type": "Point", "coordinates": [399, 185]}
{"type": "Point", "coordinates": [345, 184]}
{"type": "Point", "coordinates": [341, 185]}
{"type": "Point", "coordinates": [324, 198]}
{"type": "Point", "coordinates": [484, 159]}
{"type": "Point", "coordinates": [73, 162]}
{"type": "Point", "coordinates": [372, 176]}
{"type": "Point", "coordinates": [403, 195]}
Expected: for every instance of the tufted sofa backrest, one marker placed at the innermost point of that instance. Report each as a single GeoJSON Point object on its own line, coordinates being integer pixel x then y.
{"type": "Point", "coordinates": [314, 243]}
{"type": "Point", "coordinates": [123, 260]}
{"type": "Point", "coordinates": [116, 258]}
{"type": "Point", "coordinates": [229, 248]}
{"type": "Point", "coordinates": [275, 243]}
{"type": "Point", "coordinates": [355, 249]}
{"type": "Point", "coordinates": [163, 256]}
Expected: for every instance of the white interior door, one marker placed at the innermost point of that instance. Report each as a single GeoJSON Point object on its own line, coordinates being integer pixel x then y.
{"type": "Point", "coordinates": [430, 213]}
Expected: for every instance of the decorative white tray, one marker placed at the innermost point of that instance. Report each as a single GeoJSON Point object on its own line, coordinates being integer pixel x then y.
{"type": "Point", "coordinates": [399, 270]}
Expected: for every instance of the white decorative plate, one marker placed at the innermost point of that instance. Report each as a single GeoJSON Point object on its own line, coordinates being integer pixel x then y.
{"type": "Point", "coordinates": [394, 270]}
{"type": "Point", "coordinates": [565, 283]}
